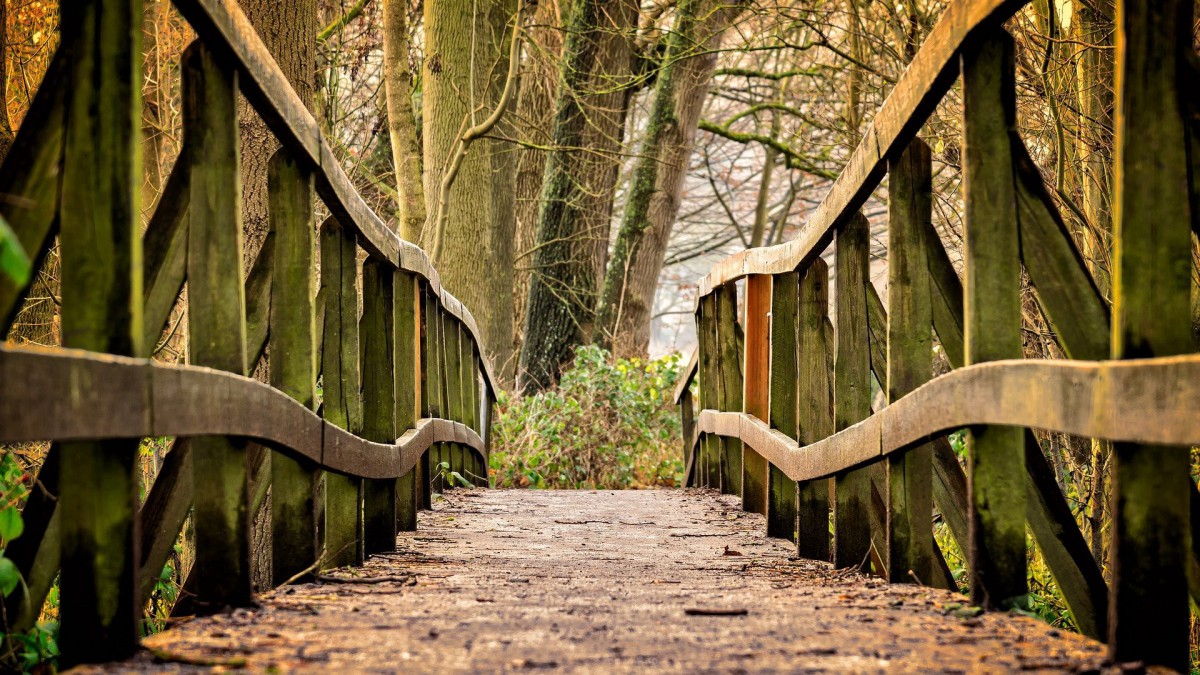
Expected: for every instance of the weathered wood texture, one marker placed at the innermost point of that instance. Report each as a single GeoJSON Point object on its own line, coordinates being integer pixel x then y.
{"type": "Point", "coordinates": [407, 359]}
{"type": "Point", "coordinates": [784, 374]}
{"type": "Point", "coordinates": [756, 387]}
{"type": "Point", "coordinates": [992, 303]}
{"type": "Point", "coordinates": [814, 417]}
{"type": "Point", "coordinates": [851, 389]}
{"type": "Point", "coordinates": [1151, 318]}
{"type": "Point", "coordinates": [294, 545]}
{"type": "Point", "coordinates": [100, 253]}
{"type": "Point", "coordinates": [729, 360]}
{"type": "Point", "coordinates": [709, 471]}
{"type": "Point", "coordinates": [909, 537]}
{"type": "Point", "coordinates": [379, 402]}
{"type": "Point", "coordinates": [216, 324]}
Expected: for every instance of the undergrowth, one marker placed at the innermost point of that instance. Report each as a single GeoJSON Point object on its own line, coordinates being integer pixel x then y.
{"type": "Point", "coordinates": [610, 424]}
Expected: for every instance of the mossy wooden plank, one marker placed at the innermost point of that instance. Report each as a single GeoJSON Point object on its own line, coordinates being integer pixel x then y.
{"type": "Point", "coordinates": [407, 359]}
{"type": "Point", "coordinates": [946, 295]}
{"type": "Point", "coordinates": [216, 323]}
{"type": "Point", "coordinates": [1151, 317]}
{"type": "Point", "coordinates": [709, 473]}
{"type": "Point", "coordinates": [167, 506]}
{"type": "Point", "coordinates": [729, 360]}
{"type": "Point", "coordinates": [452, 371]}
{"type": "Point", "coordinates": [852, 389]}
{"type": "Point", "coordinates": [294, 546]}
{"type": "Point", "coordinates": [781, 490]}
{"type": "Point", "coordinates": [992, 305]}
{"type": "Point", "coordinates": [100, 254]}
{"type": "Point", "coordinates": [756, 387]}
{"type": "Point", "coordinates": [909, 538]}
{"type": "Point", "coordinates": [164, 251]}
{"type": "Point", "coordinates": [378, 399]}
{"type": "Point", "coordinates": [814, 417]}
{"type": "Point", "coordinates": [342, 401]}
{"type": "Point", "coordinates": [1065, 288]}
{"type": "Point", "coordinates": [30, 180]}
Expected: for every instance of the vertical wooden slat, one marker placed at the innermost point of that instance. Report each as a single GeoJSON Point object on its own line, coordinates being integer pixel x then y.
{"type": "Point", "coordinates": [852, 390]}
{"type": "Point", "coordinates": [756, 387]}
{"type": "Point", "coordinates": [729, 361]}
{"type": "Point", "coordinates": [813, 392]}
{"type": "Point", "coordinates": [691, 456]}
{"type": "Point", "coordinates": [293, 360]}
{"type": "Point", "coordinates": [1151, 317]}
{"type": "Point", "coordinates": [379, 399]}
{"type": "Point", "coordinates": [102, 312]}
{"type": "Point", "coordinates": [909, 538]}
{"type": "Point", "coordinates": [709, 474]}
{"type": "Point", "coordinates": [430, 385]}
{"type": "Point", "coordinates": [781, 490]}
{"type": "Point", "coordinates": [992, 308]}
{"type": "Point", "coordinates": [454, 407]}
{"type": "Point", "coordinates": [216, 324]}
{"type": "Point", "coordinates": [342, 403]}
{"type": "Point", "coordinates": [407, 358]}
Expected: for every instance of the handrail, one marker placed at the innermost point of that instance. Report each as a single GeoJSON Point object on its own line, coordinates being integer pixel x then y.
{"type": "Point", "coordinates": [1134, 401]}
{"type": "Point", "coordinates": [75, 395]}
{"type": "Point", "coordinates": [223, 27]}
{"type": "Point", "coordinates": [926, 80]}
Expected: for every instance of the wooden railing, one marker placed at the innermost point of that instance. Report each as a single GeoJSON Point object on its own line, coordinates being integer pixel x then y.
{"type": "Point", "coordinates": [406, 392]}
{"type": "Point", "coordinates": [785, 399]}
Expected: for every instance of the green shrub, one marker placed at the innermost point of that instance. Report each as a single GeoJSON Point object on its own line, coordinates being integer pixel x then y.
{"type": "Point", "coordinates": [610, 424]}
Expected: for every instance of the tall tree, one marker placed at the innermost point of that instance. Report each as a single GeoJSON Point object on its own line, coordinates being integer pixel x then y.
{"type": "Point", "coordinates": [465, 47]}
{"type": "Point", "coordinates": [402, 122]}
{"type": "Point", "coordinates": [578, 187]}
{"type": "Point", "coordinates": [623, 323]}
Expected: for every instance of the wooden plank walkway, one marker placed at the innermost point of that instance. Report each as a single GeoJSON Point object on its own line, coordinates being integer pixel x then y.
{"type": "Point", "coordinates": [602, 581]}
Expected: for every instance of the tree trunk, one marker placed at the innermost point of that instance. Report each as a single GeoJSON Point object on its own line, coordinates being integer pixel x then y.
{"type": "Point", "coordinates": [534, 121]}
{"type": "Point", "coordinates": [578, 188]}
{"type": "Point", "coordinates": [628, 298]}
{"type": "Point", "coordinates": [465, 48]}
{"type": "Point", "coordinates": [402, 122]}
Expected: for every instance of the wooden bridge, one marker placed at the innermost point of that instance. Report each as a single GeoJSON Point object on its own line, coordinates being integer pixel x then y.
{"type": "Point", "coordinates": [784, 417]}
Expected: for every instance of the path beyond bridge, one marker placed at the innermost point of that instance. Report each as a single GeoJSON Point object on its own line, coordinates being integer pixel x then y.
{"type": "Point", "coordinates": [665, 580]}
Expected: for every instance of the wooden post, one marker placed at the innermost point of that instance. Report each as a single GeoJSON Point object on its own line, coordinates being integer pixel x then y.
{"type": "Point", "coordinates": [216, 324]}
{"type": "Point", "coordinates": [852, 391]}
{"type": "Point", "coordinates": [430, 384]}
{"type": "Point", "coordinates": [379, 401]}
{"type": "Point", "coordinates": [781, 490]}
{"type": "Point", "coordinates": [691, 456]}
{"type": "Point", "coordinates": [709, 473]}
{"type": "Point", "coordinates": [756, 388]}
{"type": "Point", "coordinates": [454, 408]}
{"type": "Point", "coordinates": [992, 304]}
{"type": "Point", "coordinates": [472, 401]}
{"type": "Point", "coordinates": [729, 361]}
{"type": "Point", "coordinates": [406, 292]}
{"type": "Point", "coordinates": [909, 536]}
{"type": "Point", "coordinates": [814, 417]}
{"type": "Point", "coordinates": [1151, 285]}
{"type": "Point", "coordinates": [101, 311]}
{"type": "Point", "coordinates": [293, 360]}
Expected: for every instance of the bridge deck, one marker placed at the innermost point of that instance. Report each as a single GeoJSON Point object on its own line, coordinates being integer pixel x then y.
{"type": "Point", "coordinates": [507, 580]}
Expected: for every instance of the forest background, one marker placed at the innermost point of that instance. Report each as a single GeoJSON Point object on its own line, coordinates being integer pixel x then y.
{"type": "Point", "coordinates": [574, 166]}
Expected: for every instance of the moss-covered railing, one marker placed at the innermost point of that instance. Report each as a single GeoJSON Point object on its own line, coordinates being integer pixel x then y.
{"type": "Point", "coordinates": [406, 390]}
{"type": "Point", "coordinates": [785, 398]}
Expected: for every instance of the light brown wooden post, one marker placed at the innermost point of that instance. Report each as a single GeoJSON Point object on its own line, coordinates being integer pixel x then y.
{"type": "Point", "coordinates": [407, 357]}
{"type": "Point", "coordinates": [294, 545]}
{"type": "Point", "coordinates": [729, 359]}
{"type": "Point", "coordinates": [756, 388]}
{"type": "Point", "coordinates": [852, 390]}
{"type": "Point", "coordinates": [992, 305]}
{"type": "Point", "coordinates": [781, 490]}
{"type": "Point", "coordinates": [1151, 285]}
{"type": "Point", "coordinates": [379, 399]}
{"type": "Point", "coordinates": [216, 324]}
{"type": "Point", "coordinates": [102, 312]}
{"type": "Point", "coordinates": [813, 393]}
{"type": "Point", "coordinates": [709, 471]}
{"type": "Point", "coordinates": [909, 536]}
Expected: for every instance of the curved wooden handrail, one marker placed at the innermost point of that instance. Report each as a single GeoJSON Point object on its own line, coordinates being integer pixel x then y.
{"type": "Point", "coordinates": [1136, 401]}
{"type": "Point", "coordinates": [73, 395]}
{"type": "Point", "coordinates": [930, 75]}
{"type": "Point", "coordinates": [224, 29]}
